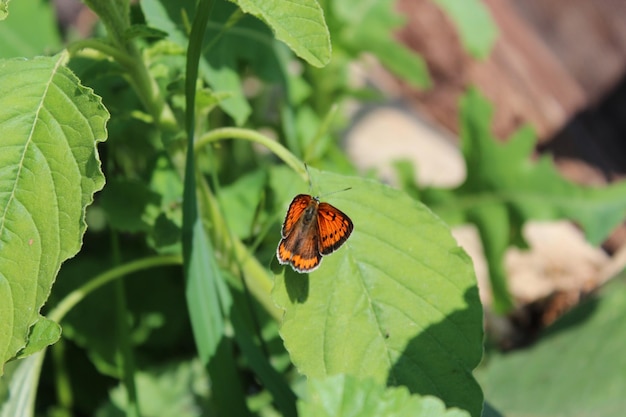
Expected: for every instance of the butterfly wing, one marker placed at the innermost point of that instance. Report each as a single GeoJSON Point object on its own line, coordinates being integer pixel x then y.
{"type": "Point", "coordinates": [334, 228]}
{"type": "Point", "coordinates": [295, 210]}
{"type": "Point", "coordinates": [300, 242]}
{"type": "Point", "coordinates": [301, 251]}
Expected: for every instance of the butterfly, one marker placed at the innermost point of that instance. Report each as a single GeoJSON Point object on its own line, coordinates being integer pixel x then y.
{"type": "Point", "coordinates": [311, 230]}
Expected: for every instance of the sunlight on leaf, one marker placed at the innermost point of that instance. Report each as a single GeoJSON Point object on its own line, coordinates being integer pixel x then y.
{"type": "Point", "coordinates": [49, 170]}
{"type": "Point", "coordinates": [44, 332]}
{"type": "Point", "coordinates": [343, 395]}
{"type": "Point", "coordinates": [4, 9]}
{"type": "Point", "coordinates": [397, 303]}
{"type": "Point", "coordinates": [299, 24]}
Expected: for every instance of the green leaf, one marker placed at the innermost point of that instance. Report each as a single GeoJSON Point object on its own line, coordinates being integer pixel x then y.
{"type": "Point", "coordinates": [49, 170]}
{"type": "Point", "coordinates": [299, 24]}
{"type": "Point", "coordinates": [505, 188]}
{"type": "Point", "coordinates": [477, 30]}
{"type": "Point", "coordinates": [177, 389]}
{"type": "Point", "coordinates": [20, 381]}
{"type": "Point", "coordinates": [274, 382]}
{"type": "Point", "coordinates": [30, 30]}
{"type": "Point", "coordinates": [397, 302]}
{"type": "Point", "coordinates": [130, 205]}
{"type": "Point", "coordinates": [4, 9]}
{"type": "Point", "coordinates": [367, 26]}
{"type": "Point", "coordinates": [400, 60]}
{"type": "Point", "coordinates": [165, 235]}
{"type": "Point", "coordinates": [143, 31]}
{"type": "Point", "coordinates": [44, 332]}
{"type": "Point", "coordinates": [217, 66]}
{"type": "Point", "coordinates": [208, 299]}
{"type": "Point", "coordinates": [239, 201]}
{"type": "Point", "coordinates": [575, 369]}
{"type": "Point", "coordinates": [346, 396]}
{"type": "Point", "coordinates": [154, 310]}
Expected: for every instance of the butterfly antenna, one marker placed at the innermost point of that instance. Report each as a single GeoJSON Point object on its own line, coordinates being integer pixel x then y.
{"type": "Point", "coordinates": [308, 175]}
{"type": "Point", "coordinates": [335, 192]}
{"type": "Point", "coordinates": [306, 167]}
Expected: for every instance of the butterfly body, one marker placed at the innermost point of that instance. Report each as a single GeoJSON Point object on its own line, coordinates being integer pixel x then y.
{"type": "Point", "coordinates": [311, 229]}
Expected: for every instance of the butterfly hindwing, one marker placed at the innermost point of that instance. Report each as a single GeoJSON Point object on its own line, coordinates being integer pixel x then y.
{"type": "Point", "coordinates": [300, 248]}
{"type": "Point", "coordinates": [334, 228]}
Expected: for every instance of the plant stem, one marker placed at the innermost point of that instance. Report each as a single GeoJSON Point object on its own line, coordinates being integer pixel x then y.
{"type": "Point", "coordinates": [257, 280]}
{"type": "Point", "coordinates": [76, 296]}
{"type": "Point", "coordinates": [123, 335]}
{"type": "Point", "coordinates": [247, 134]}
{"type": "Point", "coordinates": [62, 384]}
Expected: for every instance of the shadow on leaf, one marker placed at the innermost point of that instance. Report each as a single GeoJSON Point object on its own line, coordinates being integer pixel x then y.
{"type": "Point", "coordinates": [441, 353]}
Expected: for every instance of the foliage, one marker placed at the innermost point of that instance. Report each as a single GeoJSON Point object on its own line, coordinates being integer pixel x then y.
{"type": "Point", "coordinates": [469, 15]}
{"type": "Point", "coordinates": [204, 319]}
{"type": "Point", "coordinates": [505, 188]}
{"type": "Point", "coordinates": [51, 126]}
{"type": "Point", "coordinates": [587, 341]}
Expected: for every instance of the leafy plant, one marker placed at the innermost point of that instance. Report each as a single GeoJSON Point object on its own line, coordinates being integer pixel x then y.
{"type": "Point", "coordinates": [192, 220]}
{"type": "Point", "coordinates": [505, 188]}
{"type": "Point", "coordinates": [587, 341]}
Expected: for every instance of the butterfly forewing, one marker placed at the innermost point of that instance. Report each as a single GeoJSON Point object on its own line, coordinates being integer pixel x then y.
{"type": "Point", "coordinates": [334, 228]}
{"type": "Point", "coordinates": [294, 212]}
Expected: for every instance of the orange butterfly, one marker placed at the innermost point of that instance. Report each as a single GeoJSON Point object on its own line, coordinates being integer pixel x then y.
{"type": "Point", "coordinates": [311, 229]}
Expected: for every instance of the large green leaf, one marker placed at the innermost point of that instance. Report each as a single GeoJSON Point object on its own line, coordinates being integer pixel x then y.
{"type": "Point", "coordinates": [576, 369]}
{"type": "Point", "coordinates": [49, 170]}
{"type": "Point", "coordinates": [345, 396]}
{"type": "Point", "coordinates": [397, 303]}
{"type": "Point", "coordinates": [299, 24]}
{"type": "Point", "coordinates": [505, 188]}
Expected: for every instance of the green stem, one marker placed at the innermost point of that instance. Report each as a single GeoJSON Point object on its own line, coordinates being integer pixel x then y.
{"type": "Point", "coordinates": [79, 294]}
{"type": "Point", "coordinates": [123, 332]}
{"type": "Point", "coordinates": [126, 351]}
{"type": "Point", "coordinates": [62, 384]}
{"type": "Point", "coordinates": [252, 136]}
{"type": "Point", "coordinates": [107, 49]}
{"type": "Point", "coordinates": [247, 266]}
{"type": "Point", "coordinates": [76, 296]}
